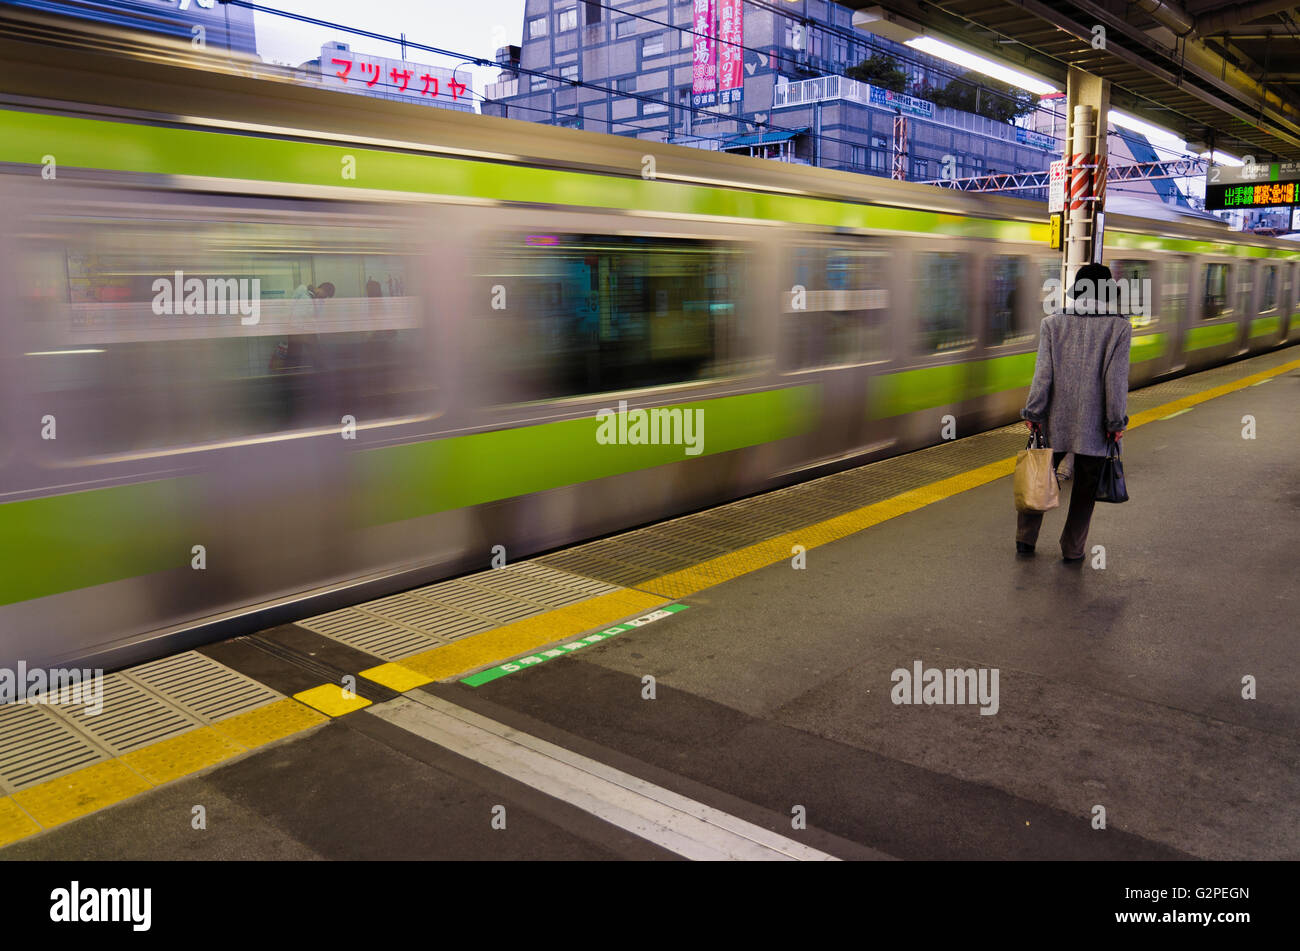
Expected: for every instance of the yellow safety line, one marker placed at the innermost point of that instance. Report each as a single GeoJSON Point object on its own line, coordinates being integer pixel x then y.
{"type": "Point", "coordinates": [489, 647]}
{"type": "Point", "coordinates": [111, 781]}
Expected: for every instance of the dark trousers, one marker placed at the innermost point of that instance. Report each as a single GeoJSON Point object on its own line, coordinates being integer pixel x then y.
{"type": "Point", "coordinates": [1074, 537]}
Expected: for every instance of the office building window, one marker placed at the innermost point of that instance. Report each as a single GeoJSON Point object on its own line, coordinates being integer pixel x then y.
{"type": "Point", "coordinates": [569, 72]}
{"type": "Point", "coordinates": [652, 45]}
{"type": "Point", "coordinates": [879, 142]}
{"type": "Point", "coordinates": [537, 82]}
{"type": "Point", "coordinates": [624, 28]}
{"type": "Point", "coordinates": [594, 10]}
{"type": "Point", "coordinates": [626, 84]}
{"type": "Point", "coordinates": [536, 27]}
{"type": "Point", "coordinates": [566, 20]}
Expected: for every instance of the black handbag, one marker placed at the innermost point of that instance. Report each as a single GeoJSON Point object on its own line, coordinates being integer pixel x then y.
{"type": "Point", "coordinates": [1111, 487]}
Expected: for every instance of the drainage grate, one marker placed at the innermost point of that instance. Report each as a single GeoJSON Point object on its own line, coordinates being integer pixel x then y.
{"type": "Point", "coordinates": [130, 717]}
{"type": "Point", "coordinates": [36, 746]}
{"type": "Point", "coordinates": [369, 634]}
{"type": "Point", "coordinates": [203, 687]}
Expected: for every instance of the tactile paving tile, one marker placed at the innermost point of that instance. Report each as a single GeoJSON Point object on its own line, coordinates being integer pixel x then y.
{"type": "Point", "coordinates": [201, 686]}
{"type": "Point", "coordinates": [437, 621]}
{"type": "Point", "coordinates": [370, 634]}
{"type": "Point", "coordinates": [130, 718]}
{"type": "Point", "coordinates": [538, 584]}
{"type": "Point", "coordinates": [36, 746]}
{"type": "Point", "coordinates": [476, 602]}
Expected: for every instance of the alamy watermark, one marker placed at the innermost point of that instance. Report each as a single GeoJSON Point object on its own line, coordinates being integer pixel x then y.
{"type": "Point", "coordinates": [670, 426]}
{"type": "Point", "coordinates": [179, 295]}
{"type": "Point", "coordinates": [56, 685]}
{"type": "Point", "coordinates": [950, 685]}
{"type": "Point", "coordinates": [1123, 297]}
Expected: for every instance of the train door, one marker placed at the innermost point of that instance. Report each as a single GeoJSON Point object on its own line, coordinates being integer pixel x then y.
{"type": "Point", "coordinates": [1135, 298]}
{"type": "Point", "coordinates": [929, 396]}
{"type": "Point", "coordinates": [1174, 311]}
{"type": "Point", "coordinates": [1011, 308]}
{"type": "Point", "coordinates": [1246, 275]}
{"type": "Point", "coordinates": [836, 333]}
{"type": "Point", "coordinates": [1292, 324]}
{"type": "Point", "coordinates": [1214, 331]}
{"type": "Point", "coordinates": [1264, 330]}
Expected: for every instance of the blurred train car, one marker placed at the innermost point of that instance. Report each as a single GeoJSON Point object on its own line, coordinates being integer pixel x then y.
{"type": "Point", "coordinates": [184, 456]}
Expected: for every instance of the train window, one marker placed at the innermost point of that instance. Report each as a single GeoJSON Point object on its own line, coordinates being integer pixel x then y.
{"type": "Point", "coordinates": [1214, 300]}
{"type": "Point", "coordinates": [1006, 309]}
{"type": "Point", "coordinates": [1133, 291]}
{"type": "Point", "coordinates": [593, 313]}
{"type": "Point", "coordinates": [161, 334]}
{"type": "Point", "coordinates": [1174, 290]}
{"type": "Point", "coordinates": [837, 313]}
{"type": "Point", "coordinates": [1268, 289]}
{"type": "Point", "coordinates": [943, 302]}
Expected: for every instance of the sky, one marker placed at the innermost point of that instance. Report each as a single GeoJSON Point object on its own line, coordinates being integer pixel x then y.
{"type": "Point", "coordinates": [475, 27]}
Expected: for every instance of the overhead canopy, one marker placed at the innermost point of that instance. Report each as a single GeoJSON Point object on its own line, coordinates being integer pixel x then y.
{"type": "Point", "coordinates": [1209, 70]}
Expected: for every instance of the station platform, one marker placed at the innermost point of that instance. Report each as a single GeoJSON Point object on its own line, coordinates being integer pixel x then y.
{"type": "Point", "coordinates": [723, 685]}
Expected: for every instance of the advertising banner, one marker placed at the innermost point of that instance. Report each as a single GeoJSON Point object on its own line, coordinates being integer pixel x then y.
{"type": "Point", "coordinates": [731, 56]}
{"type": "Point", "coordinates": [704, 64]}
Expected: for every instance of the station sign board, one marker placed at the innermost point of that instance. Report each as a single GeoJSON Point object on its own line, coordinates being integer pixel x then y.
{"type": "Point", "coordinates": [1252, 185]}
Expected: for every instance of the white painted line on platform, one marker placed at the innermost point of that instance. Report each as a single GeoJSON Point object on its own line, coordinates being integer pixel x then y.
{"type": "Point", "coordinates": [669, 820]}
{"type": "Point", "coordinates": [1179, 413]}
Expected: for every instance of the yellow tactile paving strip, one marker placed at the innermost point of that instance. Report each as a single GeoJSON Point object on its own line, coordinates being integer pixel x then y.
{"type": "Point", "coordinates": [79, 793]}
{"type": "Point", "coordinates": [489, 647]}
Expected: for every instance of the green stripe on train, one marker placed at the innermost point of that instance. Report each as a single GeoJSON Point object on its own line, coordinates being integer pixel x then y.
{"type": "Point", "coordinates": [78, 539]}
{"type": "Point", "coordinates": [1262, 326]}
{"type": "Point", "coordinates": [1214, 335]}
{"type": "Point", "coordinates": [119, 146]}
{"type": "Point", "coordinates": [893, 394]}
{"type": "Point", "coordinates": [402, 482]}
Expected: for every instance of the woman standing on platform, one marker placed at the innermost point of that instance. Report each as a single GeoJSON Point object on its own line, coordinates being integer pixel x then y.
{"type": "Point", "coordinates": [1079, 395]}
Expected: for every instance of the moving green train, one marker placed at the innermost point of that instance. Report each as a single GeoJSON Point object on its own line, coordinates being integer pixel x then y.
{"type": "Point", "coordinates": [269, 349]}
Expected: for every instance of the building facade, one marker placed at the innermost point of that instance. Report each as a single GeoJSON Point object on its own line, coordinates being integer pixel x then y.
{"type": "Point", "coordinates": [754, 78]}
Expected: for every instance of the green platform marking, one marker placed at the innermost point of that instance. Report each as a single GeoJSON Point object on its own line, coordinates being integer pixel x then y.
{"type": "Point", "coordinates": [563, 650]}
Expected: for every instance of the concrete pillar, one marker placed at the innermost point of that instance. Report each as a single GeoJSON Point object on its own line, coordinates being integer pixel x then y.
{"type": "Point", "coordinates": [1087, 109]}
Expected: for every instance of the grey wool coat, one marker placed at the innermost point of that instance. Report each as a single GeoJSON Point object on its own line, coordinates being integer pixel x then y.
{"type": "Point", "coordinates": [1080, 386]}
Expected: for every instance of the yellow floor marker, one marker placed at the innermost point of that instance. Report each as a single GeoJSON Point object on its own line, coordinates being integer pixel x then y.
{"type": "Point", "coordinates": [69, 797]}
{"type": "Point", "coordinates": [331, 700]}
{"type": "Point", "coordinates": [181, 755]}
{"type": "Point", "coordinates": [15, 824]}
{"type": "Point", "coordinates": [270, 723]}
{"type": "Point", "coordinates": [396, 677]}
